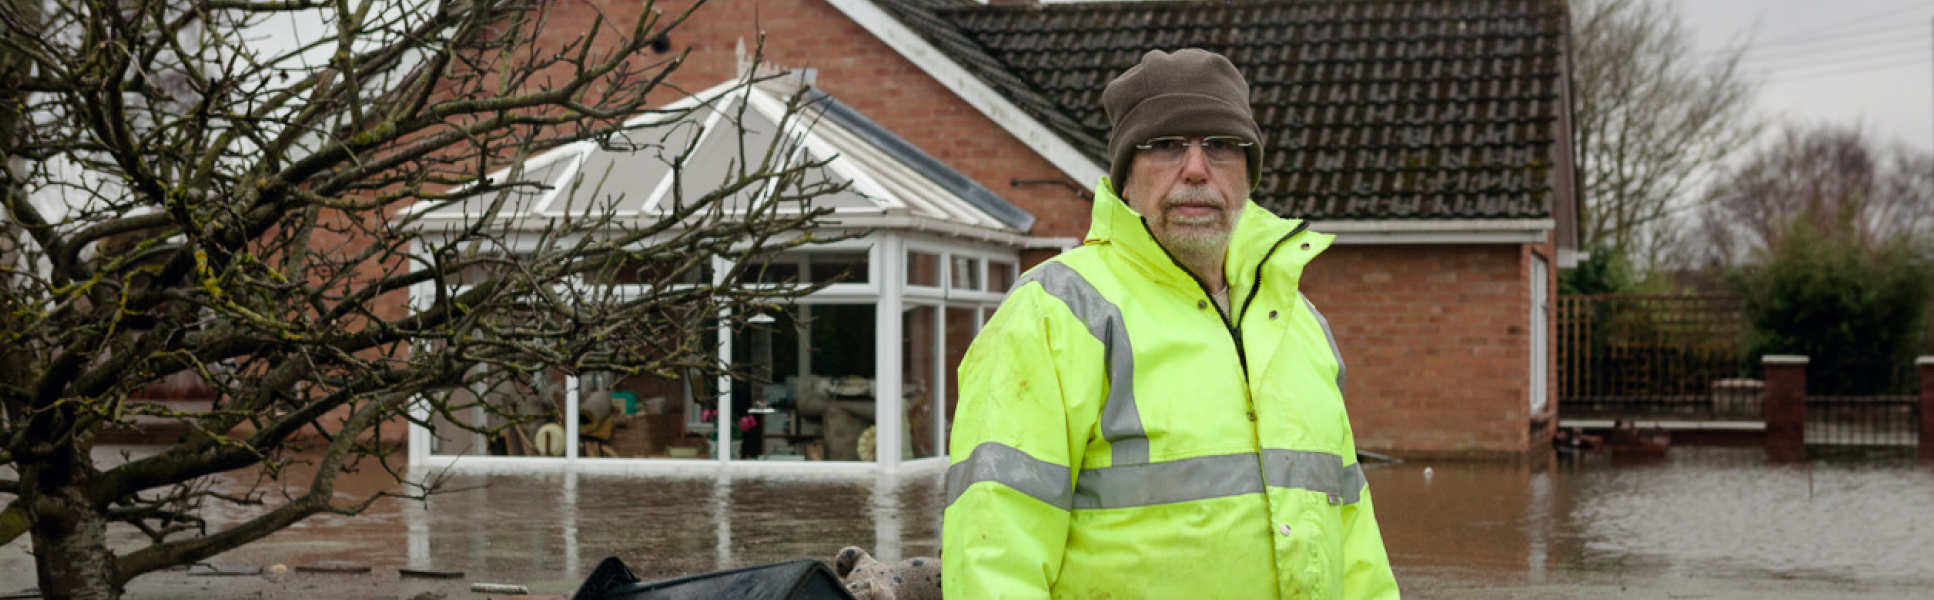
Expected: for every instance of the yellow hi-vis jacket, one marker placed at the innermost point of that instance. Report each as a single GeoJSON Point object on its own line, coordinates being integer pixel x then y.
{"type": "Point", "coordinates": [1118, 437]}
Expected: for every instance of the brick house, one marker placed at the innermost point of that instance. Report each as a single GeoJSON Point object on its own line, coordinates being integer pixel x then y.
{"type": "Point", "coordinates": [1432, 137]}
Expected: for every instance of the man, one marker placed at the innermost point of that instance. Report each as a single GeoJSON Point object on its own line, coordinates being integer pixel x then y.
{"type": "Point", "coordinates": [1159, 413]}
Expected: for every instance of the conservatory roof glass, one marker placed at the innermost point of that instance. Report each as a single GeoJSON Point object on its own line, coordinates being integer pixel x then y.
{"type": "Point", "coordinates": [893, 184]}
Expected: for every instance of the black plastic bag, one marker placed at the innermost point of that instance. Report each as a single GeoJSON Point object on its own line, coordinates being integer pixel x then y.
{"type": "Point", "coordinates": [804, 579]}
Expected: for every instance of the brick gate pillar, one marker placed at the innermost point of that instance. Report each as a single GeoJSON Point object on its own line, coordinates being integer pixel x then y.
{"type": "Point", "coordinates": [1925, 365]}
{"type": "Point", "coordinates": [1785, 407]}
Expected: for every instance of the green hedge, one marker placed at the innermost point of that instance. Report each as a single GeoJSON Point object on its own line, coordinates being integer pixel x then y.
{"type": "Point", "coordinates": [1858, 311]}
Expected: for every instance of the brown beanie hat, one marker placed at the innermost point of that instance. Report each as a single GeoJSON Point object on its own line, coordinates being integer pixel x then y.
{"type": "Point", "coordinates": [1191, 92]}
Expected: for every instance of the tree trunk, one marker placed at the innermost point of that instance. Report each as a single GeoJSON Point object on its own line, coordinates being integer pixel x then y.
{"type": "Point", "coordinates": [71, 555]}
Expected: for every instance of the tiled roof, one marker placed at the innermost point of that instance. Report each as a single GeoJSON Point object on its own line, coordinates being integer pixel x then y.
{"type": "Point", "coordinates": [1370, 109]}
{"type": "Point", "coordinates": [934, 19]}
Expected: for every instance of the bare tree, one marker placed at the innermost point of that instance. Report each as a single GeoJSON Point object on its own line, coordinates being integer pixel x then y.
{"type": "Point", "coordinates": [243, 216]}
{"type": "Point", "coordinates": [1652, 116]}
{"type": "Point", "coordinates": [1830, 177]}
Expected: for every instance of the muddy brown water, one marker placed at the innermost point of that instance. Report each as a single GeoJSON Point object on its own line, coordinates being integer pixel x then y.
{"type": "Point", "coordinates": [1700, 523]}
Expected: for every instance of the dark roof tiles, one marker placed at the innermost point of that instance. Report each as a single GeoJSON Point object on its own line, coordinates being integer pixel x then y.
{"type": "Point", "coordinates": [1369, 109]}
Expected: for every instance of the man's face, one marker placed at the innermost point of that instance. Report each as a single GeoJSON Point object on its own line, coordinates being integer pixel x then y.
{"type": "Point", "coordinates": [1191, 204]}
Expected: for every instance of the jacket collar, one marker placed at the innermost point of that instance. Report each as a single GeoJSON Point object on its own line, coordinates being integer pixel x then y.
{"type": "Point", "coordinates": [1259, 231]}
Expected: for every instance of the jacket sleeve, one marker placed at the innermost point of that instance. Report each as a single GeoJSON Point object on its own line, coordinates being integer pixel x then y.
{"type": "Point", "coordinates": [1366, 568]}
{"type": "Point", "coordinates": [1366, 573]}
{"type": "Point", "coordinates": [1009, 484]}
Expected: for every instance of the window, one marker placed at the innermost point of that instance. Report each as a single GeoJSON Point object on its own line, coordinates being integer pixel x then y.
{"type": "Point", "coordinates": [1000, 276]}
{"type": "Point", "coordinates": [641, 416]}
{"type": "Point", "coordinates": [923, 269]}
{"type": "Point", "coordinates": [671, 270]}
{"type": "Point", "coordinates": [502, 413]}
{"type": "Point", "coordinates": [780, 414]}
{"type": "Point", "coordinates": [802, 382]}
{"type": "Point", "coordinates": [964, 273]}
{"type": "Point", "coordinates": [783, 270]}
{"type": "Point", "coordinates": [919, 338]}
{"type": "Point", "coordinates": [839, 267]}
{"type": "Point", "coordinates": [960, 333]}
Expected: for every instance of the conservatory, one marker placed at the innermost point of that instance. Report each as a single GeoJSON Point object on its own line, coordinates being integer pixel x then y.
{"type": "Point", "coordinates": [857, 377]}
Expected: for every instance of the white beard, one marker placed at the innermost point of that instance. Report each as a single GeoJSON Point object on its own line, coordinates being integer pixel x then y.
{"type": "Point", "coordinates": [1199, 242]}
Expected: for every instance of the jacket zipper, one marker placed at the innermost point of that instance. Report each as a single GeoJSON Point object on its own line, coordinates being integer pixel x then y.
{"type": "Point", "coordinates": [1257, 286]}
{"type": "Point", "coordinates": [1234, 327]}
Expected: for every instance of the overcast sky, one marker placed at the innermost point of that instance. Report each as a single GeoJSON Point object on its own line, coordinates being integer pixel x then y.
{"type": "Point", "coordinates": [1845, 61]}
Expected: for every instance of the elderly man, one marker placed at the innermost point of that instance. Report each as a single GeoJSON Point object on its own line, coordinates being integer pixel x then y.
{"type": "Point", "coordinates": [1159, 413]}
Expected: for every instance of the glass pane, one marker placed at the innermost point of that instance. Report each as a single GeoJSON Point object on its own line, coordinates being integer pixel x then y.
{"type": "Point", "coordinates": [639, 416]}
{"type": "Point", "coordinates": [1000, 276]}
{"type": "Point", "coordinates": [960, 333]}
{"type": "Point", "coordinates": [765, 356]}
{"type": "Point", "coordinates": [842, 267]}
{"type": "Point", "coordinates": [920, 332]}
{"type": "Point", "coordinates": [685, 269]}
{"type": "Point", "coordinates": [784, 269]}
{"type": "Point", "coordinates": [826, 414]}
{"type": "Point", "coordinates": [700, 397]}
{"type": "Point", "coordinates": [554, 175]}
{"type": "Point", "coordinates": [454, 433]}
{"type": "Point", "coordinates": [923, 269]}
{"type": "Point", "coordinates": [717, 162]}
{"type": "Point", "coordinates": [964, 273]}
{"type": "Point", "coordinates": [503, 413]}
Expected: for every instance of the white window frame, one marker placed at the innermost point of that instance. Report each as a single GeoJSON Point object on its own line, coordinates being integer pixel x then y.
{"type": "Point", "coordinates": [884, 289]}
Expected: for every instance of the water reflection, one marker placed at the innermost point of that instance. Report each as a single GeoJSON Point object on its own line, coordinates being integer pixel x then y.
{"type": "Point", "coordinates": [1701, 512]}
{"type": "Point", "coordinates": [560, 526]}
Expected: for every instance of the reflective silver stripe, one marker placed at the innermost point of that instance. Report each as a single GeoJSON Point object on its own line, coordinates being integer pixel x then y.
{"type": "Point", "coordinates": [1206, 477]}
{"type": "Point", "coordinates": [1121, 421]}
{"type": "Point", "coordinates": [1332, 337]}
{"type": "Point", "coordinates": [1313, 471]}
{"type": "Point", "coordinates": [1009, 466]}
{"type": "Point", "coordinates": [1165, 482]}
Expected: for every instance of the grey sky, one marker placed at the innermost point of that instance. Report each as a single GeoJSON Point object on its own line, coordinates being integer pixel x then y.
{"type": "Point", "coordinates": [1869, 62]}
{"type": "Point", "coordinates": [1845, 61]}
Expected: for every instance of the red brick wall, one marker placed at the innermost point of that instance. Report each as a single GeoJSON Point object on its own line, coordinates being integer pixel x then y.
{"type": "Point", "coordinates": [1436, 339]}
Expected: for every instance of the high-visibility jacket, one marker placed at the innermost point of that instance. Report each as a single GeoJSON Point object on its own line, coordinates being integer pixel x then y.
{"type": "Point", "coordinates": [1117, 436]}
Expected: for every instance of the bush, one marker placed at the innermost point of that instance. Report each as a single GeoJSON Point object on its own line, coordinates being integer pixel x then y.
{"type": "Point", "coordinates": [1858, 311]}
{"type": "Point", "coordinates": [1602, 272]}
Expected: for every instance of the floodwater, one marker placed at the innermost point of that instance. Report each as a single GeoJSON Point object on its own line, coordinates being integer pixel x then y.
{"type": "Point", "coordinates": [1704, 522]}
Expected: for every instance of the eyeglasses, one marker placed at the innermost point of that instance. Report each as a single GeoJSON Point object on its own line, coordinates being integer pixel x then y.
{"type": "Point", "coordinates": [1217, 148]}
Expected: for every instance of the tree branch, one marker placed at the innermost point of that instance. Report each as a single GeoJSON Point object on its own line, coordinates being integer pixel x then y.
{"type": "Point", "coordinates": [321, 490]}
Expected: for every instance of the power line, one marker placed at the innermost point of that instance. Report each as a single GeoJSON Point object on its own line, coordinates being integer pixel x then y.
{"type": "Point", "coordinates": [1834, 59]}
{"type": "Point", "coordinates": [1855, 35]}
{"type": "Point", "coordinates": [1852, 41]}
{"type": "Point", "coordinates": [1836, 72]}
{"type": "Point", "coordinates": [1821, 32]}
{"type": "Point", "coordinates": [1919, 37]}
